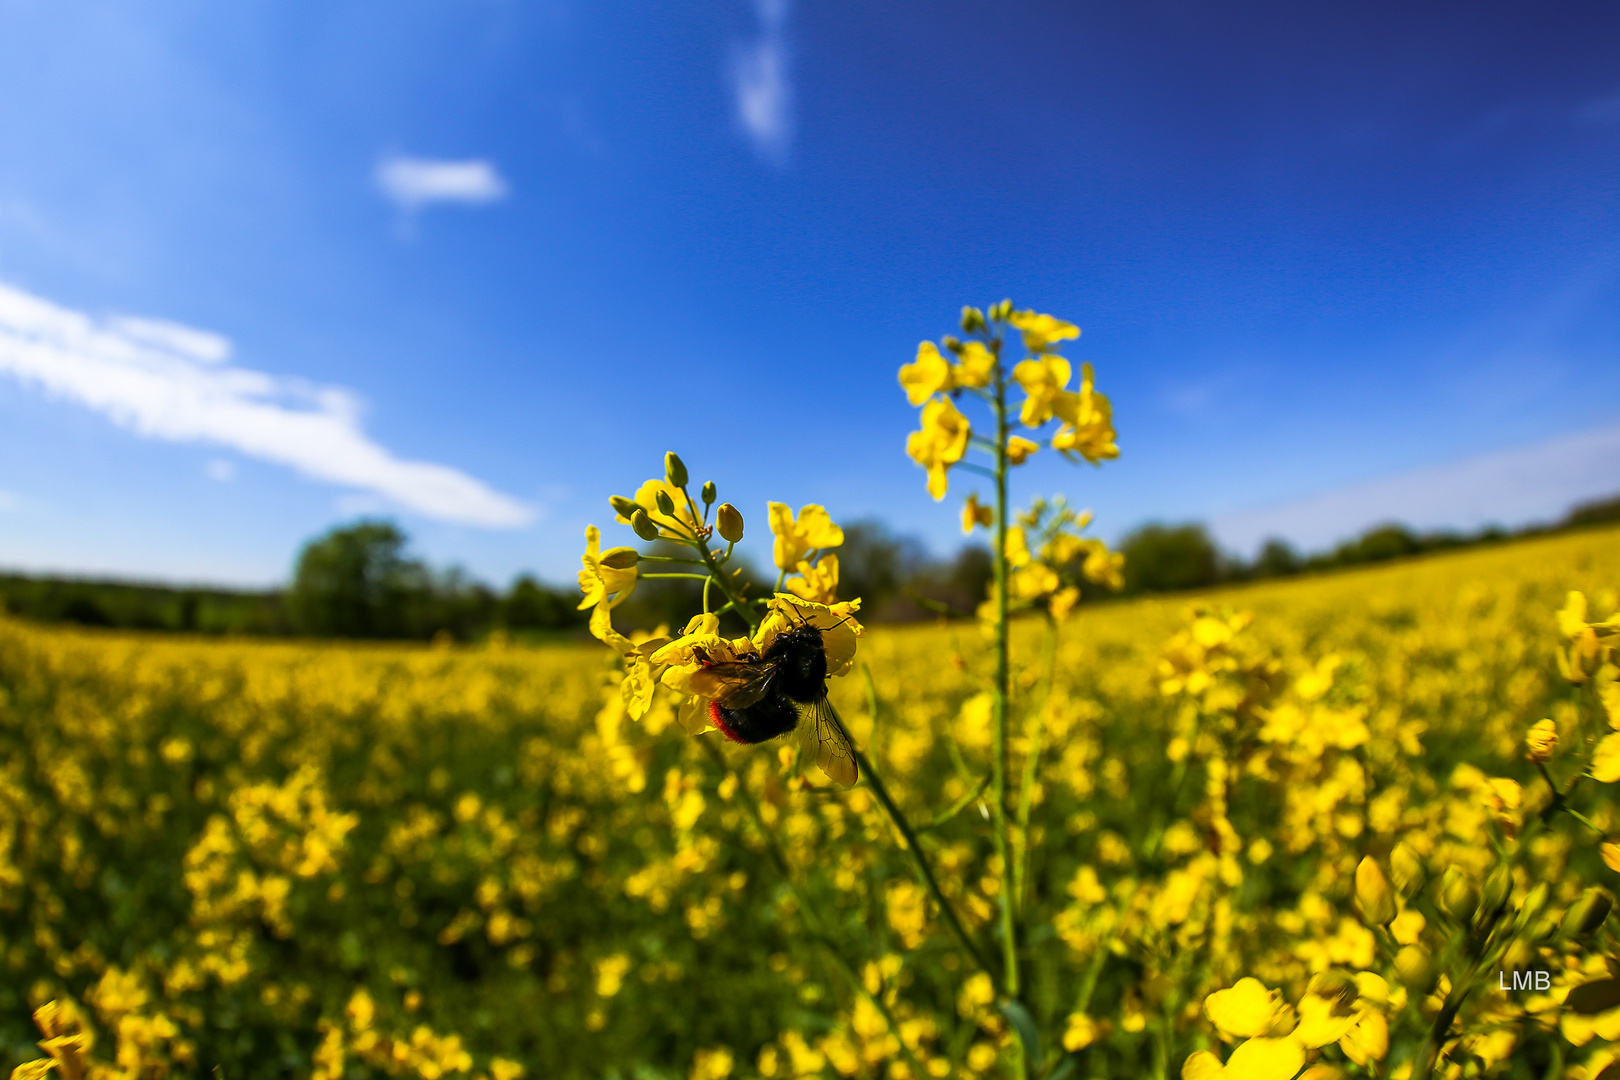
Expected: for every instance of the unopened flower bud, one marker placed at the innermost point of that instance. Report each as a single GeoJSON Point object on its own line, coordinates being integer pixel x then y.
{"type": "Point", "coordinates": [1373, 894]}
{"type": "Point", "coordinates": [665, 504]}
{"type": "Point", "coordinates": [1001, 310]}
{"type": "Point", "coordinates": [951, 343]}
{"type": "Point", "coordinates": [622, 506]}
{"type": "Point", "coordinates": [1533, 903]}
{"type": "Point", "coordinates": [708, 492]}
{"type": "Point", "coordinates": [643, 525]}
{"type": "Point", "coordinates": [1459, 895]}
{"type": "Point", "coordinates": [972, 319]}
{"type": "Point", "coordinates": [675, 469]}
{"type": "Point", "coordinates": [1540, 741]}
{"type": "Point", "coordinates": [729, 522]}
{"type": "Point", "coordinates": [620, 558]}
{"type": "Point", "coordinates": [1406, 867]}
{"type": "Point", "coordinates": [1587, 914]}
{"type": "Point", "coordinates": [1417, 970]}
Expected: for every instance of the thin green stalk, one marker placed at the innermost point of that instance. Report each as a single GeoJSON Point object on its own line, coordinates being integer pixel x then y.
{"type": "Point", "coordinates": [817, 931]}
{"type": "Point", "coordinates": [692, 577]}
{"type": "Point", "coordinates": [1010, 982]}
{"type": "Point", "coordinates": [1032, 758]}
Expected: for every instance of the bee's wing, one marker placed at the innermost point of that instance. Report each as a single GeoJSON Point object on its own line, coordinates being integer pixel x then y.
{"type": "Point", "coordinates": [742, 682]}
{"type": "Point", "coordinates": [823, 738]}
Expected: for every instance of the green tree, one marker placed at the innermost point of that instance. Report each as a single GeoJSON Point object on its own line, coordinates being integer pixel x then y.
{"type": "Point", "coordinates": [356, 581]}
{"type": "Point", "coordinates": [1162, 558]}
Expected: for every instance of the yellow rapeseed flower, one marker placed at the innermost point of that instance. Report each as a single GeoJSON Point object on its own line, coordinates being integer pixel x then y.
{"type": "Point", "coordinates": [928, 375]}
{"type": "Point", "coordinates": [1244, 1010]}
{"type": "Point", "coordinates": [1019, 449]}
{"type": "Point", "coordinates": [797, 537]}
{"type": "Point", "coordinates": [681, 524]}
{"type": "Point", "coordinates": [940, 443]}
{"type": "Point", "coordinates": [603, 585]}
{"type": "Point", "coordinates": [1041, 331]}
{"type": "Point", "coordinates": [1541, 740]}
{"type": "Point", "coordinates": [976, 513]}
{"type": "Point", "coordinates": [1043, 381]}
{"type": "Point", "coordinates": [818, 583]}
{"type": "Point", "coordinates": [977, 367]}
{"type": "Point", "coordinates": [1089, 426]}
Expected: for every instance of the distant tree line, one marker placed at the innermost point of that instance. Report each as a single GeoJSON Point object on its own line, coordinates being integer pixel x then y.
{"type": "Point", "coordinates": [361, 581]}
{"type": "Point", "coordinates": [1166, 558]}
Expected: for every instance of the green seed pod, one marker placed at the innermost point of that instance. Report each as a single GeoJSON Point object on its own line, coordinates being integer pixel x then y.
{"type": "Point", "coordinates": [643, 525]}
{"type": "Point", "coordinates": [1587, 914]}
{"type": "Point", "coordinates": [620, 558]}
{"type": "Point", "coordinates": [1417, 970]}
{"type": "Point", "coordinates": [1406, 867]}
{"type": "Point", "coordinates": [709, 493]}
{"type": "Point", "coordinates": [972, 319]}
{"type": "Point", "coordinates": [952, 344]}
{"type": "Point", "coordinates": [1531, 907]}
{"type": "Point", "coordinates": [675, 469]}
{"type": "Point", "coordinates": [1373, 894]}
{"type": "Point", "coordinates": [729, 522]}
{"type": "Point", "coordinates": [665, 504]}
{"type": "Point", "coordinates": [622, 506]}
{"type": "Point", "coordinates": [1498, 887]}
{"type": "Point", "coordinates": [1459, 895]}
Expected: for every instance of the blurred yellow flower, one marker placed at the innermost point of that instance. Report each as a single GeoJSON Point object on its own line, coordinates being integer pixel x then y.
{"type": "Point", "coordinates": [1019, 449]}
{"type": "Point", "coordinates": [976, 513]}
{"type": "Point", "coordinates": [1202, 1065]}
{"type": "Point", "coordinates": [1244, 1010]}
{"type": "Point", "coordinates": [1043, 381]}
{"type": "Point", "coordinates": [1089, 428]}
{"type": "Point", "coordinates": [940, 443]}
{"type": "Point", "coordinates": [928, 375]}
{"type": "Point", "coordinates": [1606, 759]}
{"type": "Point", "coordinates": [1266, 1059]}
{"type": "Point", "coordinates": [1541, 740]}
{"type": "Point", "coordinates": [977, 365]}
{"type": "Point", "coordinates": [1041, 331]}
{"type": "Point", "coordinates": [797, 537]}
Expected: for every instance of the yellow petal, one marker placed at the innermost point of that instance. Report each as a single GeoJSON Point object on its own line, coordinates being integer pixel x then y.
{"type": "Point", "coordinates": [1019, 449]}
{"type": "Point", "coordinates": [1202, 1065]}
{"type": "Point", "coordinates": [1606, 759]}
{"type": "Point", "coordinates": [1266, 1059]}
{"type": "Point", "coordinates": [928, 375]}
{"type": "Point", "coordinates": [1243, 1010]}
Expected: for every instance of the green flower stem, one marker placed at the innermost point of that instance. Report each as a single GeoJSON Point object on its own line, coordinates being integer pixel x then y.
{"type": "Point", "coordinates": [980, 469]}
{"type": "Point", "coordinates": [671, 558]}
{"type": "Point", "coordinates": [1032, 759]}
{"type": "Point", "coordinates": [1010, 982]}
{"type": "Point", "coordinates": [692, 577]}
{"type": "Point", "coordinates": [817, 931]}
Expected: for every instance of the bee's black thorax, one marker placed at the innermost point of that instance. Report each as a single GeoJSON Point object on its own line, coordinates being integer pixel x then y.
{"type": "Point", "coordinates": [803, 656]}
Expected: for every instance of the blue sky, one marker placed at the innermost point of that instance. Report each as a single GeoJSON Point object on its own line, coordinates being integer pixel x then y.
{"type": "Point", "coordinates": [476, 264]}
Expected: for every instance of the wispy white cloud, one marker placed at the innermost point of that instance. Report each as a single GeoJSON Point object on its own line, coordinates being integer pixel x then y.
{"type": "Point", "coordinates": [1510, 487]}
{"type": "Point", "coordinates": [762, 84]}
{"type": "Point", "coordinates": [166, 381]}
{"type": "Point", "coordinates": [415, 182]}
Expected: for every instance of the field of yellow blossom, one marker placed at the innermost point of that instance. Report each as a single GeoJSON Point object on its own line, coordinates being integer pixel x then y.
{"type": "Point", "coordinates": [1272, 837]}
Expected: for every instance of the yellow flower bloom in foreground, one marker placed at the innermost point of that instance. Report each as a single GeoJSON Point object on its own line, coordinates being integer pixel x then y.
{"type": "Point", "coordinates": [797, 537]}
{"type": "Point", "coordinates": [1368, 1040]}
{"type": "Point", "coordinates": [818, 583]}
{"type": "Point", "coordinates": [1089, 429]}
{"type": "Point", "coordinates": [1330, 1008]}
{"type": "Point", "coordinates": [977, 367]}
{"type": "Point", "coordinates": [940, 444]}
{"type": "Point", "coordinates": [1043, 381]}
{"type": "Point", "coordinates": [1266, 1059]}
{"type": "Point", "coordinates": [928, 375]}
{"type": "Point", "coordinates": [599, 582]}
{"type": "Point", "coordinates": [974, 513]}
{"type": "Point", "coordinates": [1540, 741]}
{"type": "Point", "coordinates": [1041, 331]}
{"type": "Point", "coordinates": [1105, 567]}
{"type": "Point", "coordinates": [1610, 850]}
{"type": "Point", "coordinates": [1017, 547]}
{"type": "Point", "coordinates": [1606, 759]}
{"type": "Point", "coordinates": [1202, 1065]}
{"type": "Point", "coordinates": [1244, 1010]}
{"type": "Point", "coordinates": [700, 644]}
{"type": "Point", "coordinates": [1019, 449]}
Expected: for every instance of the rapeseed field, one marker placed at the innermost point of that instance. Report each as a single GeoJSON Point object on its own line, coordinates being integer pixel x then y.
{"type": "Point", "coordinates": [300, 860]}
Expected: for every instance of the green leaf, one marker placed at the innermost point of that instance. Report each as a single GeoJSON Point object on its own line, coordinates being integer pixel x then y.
{"type": "Point", "coordinates": [1065, 1067]}
{"type": "Point", "coordinates": [1024, 1024]}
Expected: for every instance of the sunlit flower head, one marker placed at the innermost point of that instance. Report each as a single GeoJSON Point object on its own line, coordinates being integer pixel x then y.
{"type": "Point", "coordinates": [603, 585]}
{"type": "Point", "coordinates": [977, 365]}
{"type": "Point", "coordinates": [681, 524]}
{"type": "Point", "coordinates": [818, 583]}
{"type": "Point", "coordinates": [940, 444]}
{"type": "Point", "coordinates": [926, 376]}
{"type": "Point", "coordinates": [796, 537]}
{"type": "Point", "coordinates": [975, 513]}
{"type": "Point", "coordinates": [1043, 381]}
{"type": "Point", "coordinates": [1089, 430]}
{"type": "Point", "coordinates": [1041, 332]}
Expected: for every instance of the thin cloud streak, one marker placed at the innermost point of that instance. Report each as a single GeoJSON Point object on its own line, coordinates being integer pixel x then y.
{"type": "Point", "coordinates": [1512, 487]}
{"type": "Point", "coordinates": [170, 382]}
{"type": "Point", "coordinates": [414, 182]}
{"type": "Point", "coordinates": [762, 85]}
